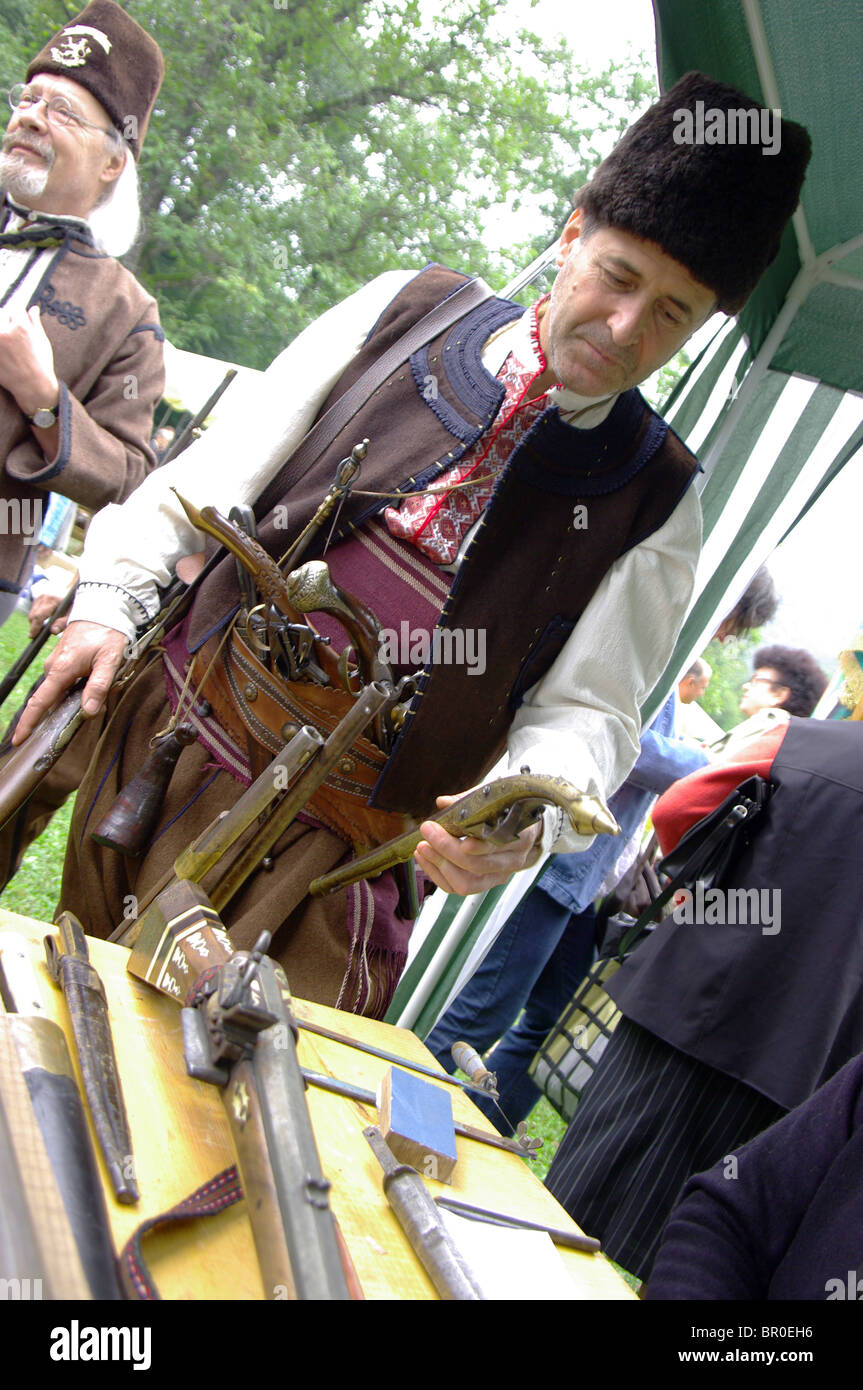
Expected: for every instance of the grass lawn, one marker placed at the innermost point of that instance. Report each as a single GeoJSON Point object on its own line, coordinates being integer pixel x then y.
{"type": "Point", "coordinates": [36, 887]}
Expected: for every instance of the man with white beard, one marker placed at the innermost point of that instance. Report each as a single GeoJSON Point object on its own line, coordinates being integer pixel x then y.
{"type": "Point", "coordinates": [81, 357]}
{"type": "Point", "coordinates": [81, 360]}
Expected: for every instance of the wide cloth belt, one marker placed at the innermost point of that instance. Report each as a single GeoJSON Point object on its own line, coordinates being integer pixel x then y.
{"type": "Point", "coordinates": [250, 703]}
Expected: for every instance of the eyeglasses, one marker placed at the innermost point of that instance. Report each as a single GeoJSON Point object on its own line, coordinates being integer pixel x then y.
{"type": "Point", "coordinates": [761, 680]}
{"type": "Point", "coordinates": [57, 108]}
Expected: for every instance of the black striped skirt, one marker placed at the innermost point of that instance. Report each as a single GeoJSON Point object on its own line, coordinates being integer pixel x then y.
{"type": "Point", "coordinates": [649, 1118]}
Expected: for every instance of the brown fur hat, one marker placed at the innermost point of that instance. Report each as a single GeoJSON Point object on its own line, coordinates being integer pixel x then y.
{"type": "Point", "coordinates": [711, 184]}
{"type": "Point", "coordinates": [104, 50]}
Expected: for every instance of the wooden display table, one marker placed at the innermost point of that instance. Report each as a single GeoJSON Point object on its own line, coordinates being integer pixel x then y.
{"type": "Point", "coordinates": [181, 1140]}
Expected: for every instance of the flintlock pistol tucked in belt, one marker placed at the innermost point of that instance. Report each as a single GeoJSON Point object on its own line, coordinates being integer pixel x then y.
{"type": "Point", "coordinates": [306, 590]}
{"type": "Point", "coordinates": [497, 811]}
{"type": "Point", "coordinates": [270, 583]}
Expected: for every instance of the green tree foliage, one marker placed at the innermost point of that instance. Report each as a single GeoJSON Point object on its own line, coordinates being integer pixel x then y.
{"type": "Point", "coordinates": [731, 665]}
{"type": "Point", "coordinates": [299, 147]}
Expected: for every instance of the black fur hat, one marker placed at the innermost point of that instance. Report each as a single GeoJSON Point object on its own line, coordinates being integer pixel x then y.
{"type": "Point", "coordinates": [709, 177]}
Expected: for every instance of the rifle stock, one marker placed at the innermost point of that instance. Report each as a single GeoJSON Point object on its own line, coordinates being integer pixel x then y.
{"type": "Point", "coordinates": [239, 1034]}
{"type": "Point", "coordinates": [25, 766]}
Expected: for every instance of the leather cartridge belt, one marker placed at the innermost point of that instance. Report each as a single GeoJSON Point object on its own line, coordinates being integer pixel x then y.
{"type": "Point", "coordinates": [250, 703]}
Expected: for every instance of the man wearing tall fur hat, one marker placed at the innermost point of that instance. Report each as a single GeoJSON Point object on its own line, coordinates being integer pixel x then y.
{"type": "Point", "coordinates": [564, 566]}
{"type": "Point", "coordinates": [80, 344]}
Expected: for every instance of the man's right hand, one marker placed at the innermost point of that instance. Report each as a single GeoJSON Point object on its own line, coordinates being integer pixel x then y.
{"type": "Point", "coordinates": [85, 649]}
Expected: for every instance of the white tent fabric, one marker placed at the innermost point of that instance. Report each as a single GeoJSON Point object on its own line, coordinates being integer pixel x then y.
{"type": "Point", "coordinates": [191, 379]}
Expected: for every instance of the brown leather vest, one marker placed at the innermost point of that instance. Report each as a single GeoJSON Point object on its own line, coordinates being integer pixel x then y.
{"type": "Point", "coordinates": [567, 504]}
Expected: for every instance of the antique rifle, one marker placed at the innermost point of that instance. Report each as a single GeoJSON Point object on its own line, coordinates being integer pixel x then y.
{"type": "Point", "coordinates": [239, 1034]}
{"type": "Point", "coordinates": [308, 758]}
{"type": "Point", "coordinates": [45, 1141]}
{"type": "Point", "coordinates": [497, 811]}
{"type": "Point", "coordinates": [182, 440]}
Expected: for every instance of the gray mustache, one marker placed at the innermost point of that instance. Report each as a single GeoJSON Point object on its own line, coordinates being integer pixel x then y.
{"type": "Point", "coordinates": [44, 149]}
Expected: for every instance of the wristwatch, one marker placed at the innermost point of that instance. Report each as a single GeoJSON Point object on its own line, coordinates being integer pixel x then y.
{"type": "Point", "coordinates": [44, 418]}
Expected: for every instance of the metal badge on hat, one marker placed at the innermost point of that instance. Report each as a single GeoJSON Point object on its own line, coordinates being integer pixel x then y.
{"type": "Point", "coordinates": [76, 50]}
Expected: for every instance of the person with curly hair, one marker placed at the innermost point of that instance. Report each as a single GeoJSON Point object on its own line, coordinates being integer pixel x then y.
{"type": "Point", "coordinates": [783, 678]}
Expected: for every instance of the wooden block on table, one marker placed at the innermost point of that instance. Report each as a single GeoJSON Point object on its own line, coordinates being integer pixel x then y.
{"type": "Point", "coordinates": [416, 1121]}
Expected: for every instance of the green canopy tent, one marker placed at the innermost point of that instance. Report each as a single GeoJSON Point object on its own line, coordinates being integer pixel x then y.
{"type": "Point", "coordinates": [773, 406]}
{"type": "Point", "coordinates": [774, 409]}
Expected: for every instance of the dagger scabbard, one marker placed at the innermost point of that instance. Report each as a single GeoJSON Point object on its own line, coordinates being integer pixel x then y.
{"type": "Point", "coordinates": [69, 965]}
{"type": "Point", "coordinates": [421, 1222]}
{"type": "Point", "coordinates": [58, 1182]}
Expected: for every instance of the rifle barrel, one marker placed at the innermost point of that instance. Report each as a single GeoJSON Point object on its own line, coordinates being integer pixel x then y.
{"type": "Point", "coordinates": [34, 646]}
{"type": "Point", "coordinates": [180, 441]}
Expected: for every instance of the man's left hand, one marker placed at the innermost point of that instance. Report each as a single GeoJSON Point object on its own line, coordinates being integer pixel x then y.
{"type": "Point", "coordinates": [467, 865]}
{"type": "Point", "coordinates": [27, 361]}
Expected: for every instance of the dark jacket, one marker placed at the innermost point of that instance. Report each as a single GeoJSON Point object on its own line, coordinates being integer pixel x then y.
{"type": "Point", "coordinates": [780, 1010]}
{"type": "Point", "coordinates": [780, 1219]}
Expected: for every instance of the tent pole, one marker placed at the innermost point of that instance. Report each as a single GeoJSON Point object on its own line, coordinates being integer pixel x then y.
{"type": "Point", "coordinates": [770, 87]}
{"type": "Point", "coordinates": [808, 276]}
